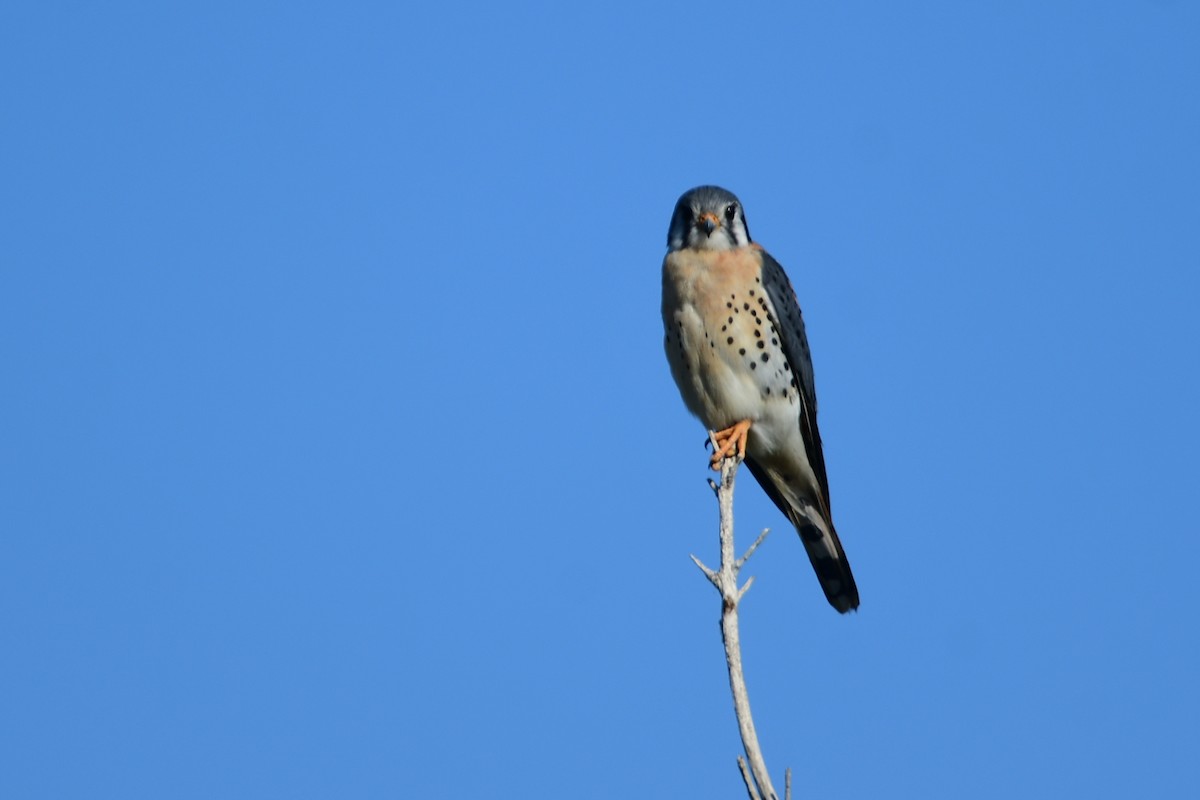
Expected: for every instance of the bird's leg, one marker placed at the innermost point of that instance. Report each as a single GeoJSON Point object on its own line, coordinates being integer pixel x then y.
{"type": "Point", "coordinates": [729, 441]}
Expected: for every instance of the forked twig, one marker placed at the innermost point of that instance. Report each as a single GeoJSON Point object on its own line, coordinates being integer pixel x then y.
{"type": "Point", "coordinates": [753, 767]}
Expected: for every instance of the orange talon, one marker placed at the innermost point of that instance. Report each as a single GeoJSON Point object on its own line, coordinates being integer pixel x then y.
{"type": "Point", "coordinates": [729, 441]}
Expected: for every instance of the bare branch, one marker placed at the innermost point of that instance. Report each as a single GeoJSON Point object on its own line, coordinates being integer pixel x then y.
{"type": "Point", "coordinates": [737, 566]}
{"type": "Point", "coordinates": [751, 789]}
{"type": "Point", "coordinates": [745, 588]}
{"type": "Point", "coordinates": [708, 573]}
{"type": "Point", "coordinates": [753, 767]}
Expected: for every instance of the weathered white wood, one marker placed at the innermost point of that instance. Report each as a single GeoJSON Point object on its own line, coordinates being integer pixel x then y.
{"type": "Point", "coordinates": [725, 579]}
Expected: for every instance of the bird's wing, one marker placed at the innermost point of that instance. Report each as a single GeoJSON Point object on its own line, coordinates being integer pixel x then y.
{"type": "Point", "coordinates": [790, 324]}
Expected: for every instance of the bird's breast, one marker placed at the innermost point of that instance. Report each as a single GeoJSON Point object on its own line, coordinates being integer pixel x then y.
{"type": "Point", "coordinates": [721, 340]}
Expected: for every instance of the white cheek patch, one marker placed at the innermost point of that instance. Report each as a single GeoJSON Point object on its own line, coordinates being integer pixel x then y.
{"type": "Point", "coordinates": [720, 239]}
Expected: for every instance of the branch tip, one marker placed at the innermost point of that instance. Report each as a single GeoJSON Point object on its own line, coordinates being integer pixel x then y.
{"type": "Point", "coordinates": [751, 789]}
{"type": "Point", "coordinates": [750, 551]}
{"type": "Point", "coordinates": [708, 573]}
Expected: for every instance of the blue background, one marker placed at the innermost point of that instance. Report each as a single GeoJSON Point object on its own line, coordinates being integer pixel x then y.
{"type": "Point", "coordinates": [340, 457]}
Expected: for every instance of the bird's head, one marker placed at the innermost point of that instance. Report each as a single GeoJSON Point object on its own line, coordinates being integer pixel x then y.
{"type": "Point", "coordinates": [708, 218]}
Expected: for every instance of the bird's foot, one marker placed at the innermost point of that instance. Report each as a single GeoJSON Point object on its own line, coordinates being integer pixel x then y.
{"type": "Point", "coordinates": [729, 441]}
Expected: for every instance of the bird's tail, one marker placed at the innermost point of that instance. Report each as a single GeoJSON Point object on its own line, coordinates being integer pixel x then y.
{"type": "Point", "coordinates": [816, 532]}
{"type": "Point", "coordinates": [827, 556]}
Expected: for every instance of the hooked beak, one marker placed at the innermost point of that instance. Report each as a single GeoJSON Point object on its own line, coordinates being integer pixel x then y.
{"type": "Point", "coordinates": [708, 222]}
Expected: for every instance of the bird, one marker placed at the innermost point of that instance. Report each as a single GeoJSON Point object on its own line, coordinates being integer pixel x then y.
{"type": "Point", "coordinates": [735, 341]}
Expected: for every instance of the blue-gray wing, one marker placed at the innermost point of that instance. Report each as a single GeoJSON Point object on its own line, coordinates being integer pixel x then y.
{"type": "Point", "coordinates": [790, 324]}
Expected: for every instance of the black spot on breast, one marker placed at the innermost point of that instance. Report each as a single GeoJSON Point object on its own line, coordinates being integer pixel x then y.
{"type": "Point", "coordinates": [729, 340]}
{"type": "Point", "coordinates": [746, 305]}
{"type": "Point", "coordinates": [761, 344]}
{"type": "Point", "coordinates": [742, 351]}
{"type": "Point", "coordinates": [757, 334]}
{"type": "Point", "coordinates": [753, 365]}
{"type": "Point", "coordinates": [766, 357]}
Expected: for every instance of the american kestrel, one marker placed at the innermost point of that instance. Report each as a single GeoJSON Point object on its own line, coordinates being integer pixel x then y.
{"type": "Point", "coordinates": [736, 343]}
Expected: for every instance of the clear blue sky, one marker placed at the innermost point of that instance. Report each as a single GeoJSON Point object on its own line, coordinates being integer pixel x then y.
{"type": "Point", "coordinates": [340, 456]}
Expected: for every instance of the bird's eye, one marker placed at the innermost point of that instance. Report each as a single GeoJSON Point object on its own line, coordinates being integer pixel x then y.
{"type": "Point", "coordinates": [730, 211]}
